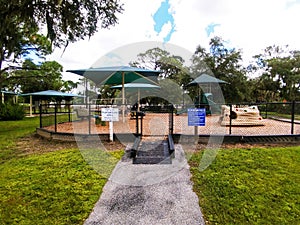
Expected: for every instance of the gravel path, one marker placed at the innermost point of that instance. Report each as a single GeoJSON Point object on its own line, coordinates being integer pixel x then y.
{"type": "Point", "coordinates": [148, 194]}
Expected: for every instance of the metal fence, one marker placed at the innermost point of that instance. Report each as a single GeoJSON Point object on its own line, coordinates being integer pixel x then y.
{"type": "Point", "coordinates": [231, 119]}
{"type": "Point", "coordinates": [244, 119]}
{"type": "Point", "coordinates": [255, 118]}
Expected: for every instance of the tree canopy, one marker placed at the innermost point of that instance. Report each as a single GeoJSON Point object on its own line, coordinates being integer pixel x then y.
{"type": "Point", "coordinates": [37, 26]}
{"type": "Point", "coordinates": [172, 70]}
{"type": "Point", "coordinates": [280, 72]}
{"type": "Point", "coordinates": [224, 63]}
{"type": "Point", "coordinates": [33, 78]}
{"type": "Point", "coordinates": [278, 79]}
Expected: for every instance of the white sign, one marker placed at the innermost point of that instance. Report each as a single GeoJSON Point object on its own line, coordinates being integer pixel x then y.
{"type": "Point", "coordinates": [110, 114]}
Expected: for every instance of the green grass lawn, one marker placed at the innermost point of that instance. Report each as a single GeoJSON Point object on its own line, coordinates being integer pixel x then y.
{"type": "Point", "coordinates": [250, 186]}
{"type": "Point", "coordinates": [10, 131]}
{"type": "Point", "coordinates": [242, 186]}
{"type": "Point", "coordinates": [285, 116]}
{"type": "Point", "coordinates": [57, 187]}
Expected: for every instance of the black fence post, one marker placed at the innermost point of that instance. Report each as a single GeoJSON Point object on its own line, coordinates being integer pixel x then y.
{"type": "Point", "coordinates": [142, 124]}
{"type": "Point", "coordinates": [89, 117]}
{"type": "Point", "coordinates": [69, 112]}
{"type": "Point", "coordinates": [266, 111]}
{"type": "Point", "coordinates": [230, 118]}
{"type": "Point", "coordinates": [171, 120]}
{"type": "Point", "coordinates": [40, 111]}
{"type": "Point", "coordinates": [137, 122]}
{"type": "Point", "coordinates": [293, 117]}
{"type": "Point", "coordinates": [55, 118]}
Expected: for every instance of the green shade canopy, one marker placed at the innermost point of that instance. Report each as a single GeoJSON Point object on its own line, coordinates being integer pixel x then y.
{"type": "Point", "coordinates": [118, 75]}
{"type": "Point", "coordinates": [206, 79]}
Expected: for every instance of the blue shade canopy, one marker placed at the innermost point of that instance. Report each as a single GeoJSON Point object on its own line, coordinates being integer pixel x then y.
{"type": "Point", "coordinates": [206, 79]}
{"type": "Point", "coordinates": [51, 93]}
{"type": "Point", "coordinates": [118, 75]}
{"type": "Point", "coordinates": [9, 92]}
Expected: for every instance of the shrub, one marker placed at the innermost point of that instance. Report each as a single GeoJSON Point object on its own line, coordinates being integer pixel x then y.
{"type": "Point", "coordinates": [11, 112]}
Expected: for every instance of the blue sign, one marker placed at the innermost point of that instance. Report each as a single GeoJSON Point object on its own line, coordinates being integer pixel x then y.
{"type": "Point", "coordinates": [196, 117]}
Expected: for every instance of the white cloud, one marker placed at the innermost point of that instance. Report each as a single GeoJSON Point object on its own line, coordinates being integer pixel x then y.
{"type": "Point", "coordinates": [250, 25]}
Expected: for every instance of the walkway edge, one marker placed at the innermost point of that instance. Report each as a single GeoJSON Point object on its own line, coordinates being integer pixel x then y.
{"type": "Point", "coordinates": [129, 197]}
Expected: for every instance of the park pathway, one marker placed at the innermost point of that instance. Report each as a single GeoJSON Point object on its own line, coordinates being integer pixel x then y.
{"type": "Point", "coordinates": [148, 194]}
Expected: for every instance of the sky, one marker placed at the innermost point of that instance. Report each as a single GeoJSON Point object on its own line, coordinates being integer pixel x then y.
{"type": "Point", "coordinates": [250, 25]}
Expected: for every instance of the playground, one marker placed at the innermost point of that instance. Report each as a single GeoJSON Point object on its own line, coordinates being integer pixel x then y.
{"type": "Point", "coordinates": [150, 134]}
{"type": "Point", "coordinates": [155, 124]}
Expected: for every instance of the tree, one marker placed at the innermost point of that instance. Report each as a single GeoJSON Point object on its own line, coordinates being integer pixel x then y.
{"type": "Point", "coordinates": [264, 89]}
{"type": "Point", "coordinates": [281, 67]}
{"type": "Point", "coordinates": [172, 67]}
{"type": "Point", "coordinates": [34, 78]}
{"type": "Point", "coordinates": [226, 64]}
{"type": "Point", "coordinates": [36, 26]}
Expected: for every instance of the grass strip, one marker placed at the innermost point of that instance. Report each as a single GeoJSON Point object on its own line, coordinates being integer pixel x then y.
{"type": "Point", "coordinates": [10, 131]}
{"type": "Point", "coordinates": [58, 187]}
{"type": "Point", "coordinates": [250, 186]}
{"type": "Point", "coordinates": [52, 188]}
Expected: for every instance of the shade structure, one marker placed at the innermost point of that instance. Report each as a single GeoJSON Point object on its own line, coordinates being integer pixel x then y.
{"type": "Point", "coordinates": [118, 74]}
{"type": "Point", "coordinates": [137, 87]}
{"type": "Point", "coordinates": [206, 79]}
{"type": "Point", "coordinates": [49, 93]}
{"type": "Point", "coordinates": [8, 93]}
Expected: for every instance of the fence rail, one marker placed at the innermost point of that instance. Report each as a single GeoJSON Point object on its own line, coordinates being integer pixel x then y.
{"type": "Point", "coordinates": [232, 119]}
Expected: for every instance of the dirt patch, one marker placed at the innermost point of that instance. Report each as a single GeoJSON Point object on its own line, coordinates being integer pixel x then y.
{"type": "Point", "coordinates": [34, 143]}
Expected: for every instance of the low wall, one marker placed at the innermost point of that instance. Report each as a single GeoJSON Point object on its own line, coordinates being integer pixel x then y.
{"type": "Point", "coordinates": [61, 136]}
{"type": "Point", "coordinates": [177, 137]}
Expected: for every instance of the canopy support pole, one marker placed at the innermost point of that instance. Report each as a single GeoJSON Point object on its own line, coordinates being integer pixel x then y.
{"type": "Point", "coordinates": [123, 97]}
{"type": "Point", "coordinates": [139, 96]}
{"type": "Point", "coordinates": [30, 107]}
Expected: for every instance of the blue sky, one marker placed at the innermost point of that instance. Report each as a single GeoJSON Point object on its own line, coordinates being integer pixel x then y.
{"type": "Point", "coordinates": [162, 17]}
{"type": "Point", "coordinates": [210, 29]}
{"type": "Point", "coordinates": [250, 25]}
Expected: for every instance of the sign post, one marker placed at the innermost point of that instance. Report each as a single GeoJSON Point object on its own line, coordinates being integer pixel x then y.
{"type": "Point", "coordinates": [110, 114]}
{"type": "Point", "coordinates": [196, 117]}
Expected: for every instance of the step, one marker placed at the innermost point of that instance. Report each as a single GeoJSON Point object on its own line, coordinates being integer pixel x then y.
{"type": "Point", "coordinates": [152, 160]}
{"type": "Point", "coordinates": [153, 153]}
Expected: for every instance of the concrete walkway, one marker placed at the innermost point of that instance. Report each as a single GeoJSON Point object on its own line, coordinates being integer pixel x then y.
{"type": "Point", "coordinates": [148, 194]}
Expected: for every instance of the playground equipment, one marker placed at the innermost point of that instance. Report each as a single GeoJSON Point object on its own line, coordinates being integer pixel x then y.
{"type": "Point", "coordinates": [206, 101]}
{"type": "Point", "coordinates": [241, 116]}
